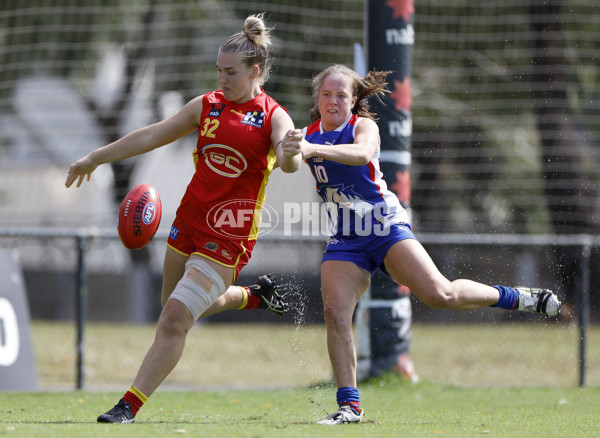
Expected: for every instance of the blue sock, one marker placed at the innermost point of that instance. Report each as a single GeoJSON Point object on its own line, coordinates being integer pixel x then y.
{"type": "Point", "coordinates": [509, 298]}
{"type": "Point", "coordinates": [348, 395]}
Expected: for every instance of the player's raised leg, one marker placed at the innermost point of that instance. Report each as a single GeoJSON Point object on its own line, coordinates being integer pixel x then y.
{"type": "Point", "coordinates": [408, 263]}
{"type": "Point", "coordinates": [265, 293]}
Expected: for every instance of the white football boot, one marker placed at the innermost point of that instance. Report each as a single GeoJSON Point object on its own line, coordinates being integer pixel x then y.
{"type": "Point", "coordinates": [534, 300]}
{"type": "Point", "coordinates": [343, 415]}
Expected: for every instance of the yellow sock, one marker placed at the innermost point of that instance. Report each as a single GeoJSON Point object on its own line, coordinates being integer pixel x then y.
{"type": "Point", "coordinates": [143, 398]}
{"type": "Point", "coordinates": [244, 297]}
{"type": "Point", "coordinates": [135, 398]}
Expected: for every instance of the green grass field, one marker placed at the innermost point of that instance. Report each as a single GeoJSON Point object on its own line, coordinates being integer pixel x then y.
{"type": "Point", "coordinates": [393, 407]}
{"type": "Point", "coordinates": [508, 380]}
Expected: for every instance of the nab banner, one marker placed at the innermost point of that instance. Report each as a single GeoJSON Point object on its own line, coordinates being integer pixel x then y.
{"type": "Point", "coordinates": [390, 40]}
{"type": "Point", "coordinates": [17, 365]}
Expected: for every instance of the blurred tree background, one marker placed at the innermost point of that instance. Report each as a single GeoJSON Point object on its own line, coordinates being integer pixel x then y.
{"type": "Point", "coordinates": [505, 101]}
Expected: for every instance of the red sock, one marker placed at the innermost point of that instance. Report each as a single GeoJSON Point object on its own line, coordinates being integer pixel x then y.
{"type": "Point", "coordinates": [355, 406]}
{"type": "Point", "coordinates": [135, 399]}
{"type": "Point", "coordinates": [252, 301]}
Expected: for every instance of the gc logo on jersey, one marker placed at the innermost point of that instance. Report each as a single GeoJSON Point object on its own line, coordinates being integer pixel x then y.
{"type": "Point", "coordinates": [216, 110]}
{"type": "Point", "coordinates": [254, 118]}
{"type": "Point", "coordinates": [224, 160]}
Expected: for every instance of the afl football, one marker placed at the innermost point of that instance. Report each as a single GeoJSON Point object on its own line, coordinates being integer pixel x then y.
{"type": "Point", "coordinates": [139, 216]}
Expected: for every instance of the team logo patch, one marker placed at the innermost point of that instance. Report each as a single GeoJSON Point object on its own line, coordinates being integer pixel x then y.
{"type": "Point", "coordinates": [254, 118]}
{"type": "Point", "coordinates": [216, 110]}
{"type": "Point", "coordinates": [224, 160]}
{"type": "Point", "coordinates": [227, 254]}
{"type": "Point", "coordinates": [211, 246]}
{"type": "Point", "coordinates": [173, 233]}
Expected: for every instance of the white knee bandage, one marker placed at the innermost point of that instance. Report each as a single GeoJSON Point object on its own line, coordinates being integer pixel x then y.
{"type": "Point", "coordinates": [194, 296]}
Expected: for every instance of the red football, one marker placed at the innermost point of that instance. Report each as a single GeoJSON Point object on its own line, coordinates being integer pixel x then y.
{"type": "Point", "coordinates": [139, 216]}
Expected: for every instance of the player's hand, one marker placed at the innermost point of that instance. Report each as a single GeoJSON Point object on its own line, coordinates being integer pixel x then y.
{"type": "Point", "coordinates": [291, 143]}
{"type": "Point", "coordinates": [79, 170]}
{"type": "Point", "coordinates": [308, 150]}
{"type": "Point", "coordinates": [294, 143]}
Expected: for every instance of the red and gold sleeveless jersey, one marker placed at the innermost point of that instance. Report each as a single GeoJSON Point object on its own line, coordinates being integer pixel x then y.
{"type": "Point", "coordinates": [233, 160]}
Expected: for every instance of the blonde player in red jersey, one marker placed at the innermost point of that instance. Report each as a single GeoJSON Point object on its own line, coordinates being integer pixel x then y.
{"type": "Point", "coordinates": [239, 143]}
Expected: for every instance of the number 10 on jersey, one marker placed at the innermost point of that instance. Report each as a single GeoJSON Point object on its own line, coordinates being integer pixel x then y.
{"type": "Point", "coordinates": [321, 174]}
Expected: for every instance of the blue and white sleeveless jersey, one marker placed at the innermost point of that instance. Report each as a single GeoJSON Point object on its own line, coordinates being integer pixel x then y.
{"type": "Point", "coordinates": [357, 199]}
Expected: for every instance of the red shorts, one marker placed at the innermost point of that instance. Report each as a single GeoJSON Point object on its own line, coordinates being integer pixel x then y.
{"type": "Point", "coordinates": [186, 240]}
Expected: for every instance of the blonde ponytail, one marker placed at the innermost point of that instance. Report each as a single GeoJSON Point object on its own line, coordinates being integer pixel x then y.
{"type": "Point", "coordinates": [253, 44]}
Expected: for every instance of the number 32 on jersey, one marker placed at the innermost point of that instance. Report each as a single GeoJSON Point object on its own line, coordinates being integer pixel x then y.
{"type": "Point", "coordinates": [208, 127]}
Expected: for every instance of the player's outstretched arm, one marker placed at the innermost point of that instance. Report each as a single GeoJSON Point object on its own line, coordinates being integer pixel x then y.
{"type": "Point", "coordinates": [138, 142]}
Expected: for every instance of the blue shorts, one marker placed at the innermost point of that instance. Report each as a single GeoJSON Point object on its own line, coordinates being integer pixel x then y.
{"type": "Point", "coordinates": [367, 252]}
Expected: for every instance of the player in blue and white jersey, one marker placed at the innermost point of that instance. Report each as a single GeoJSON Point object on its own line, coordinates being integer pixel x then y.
{"type": "Point", "coordinates": [358, 189]}
{"type": "Point", "coordinates": [370, 229]}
